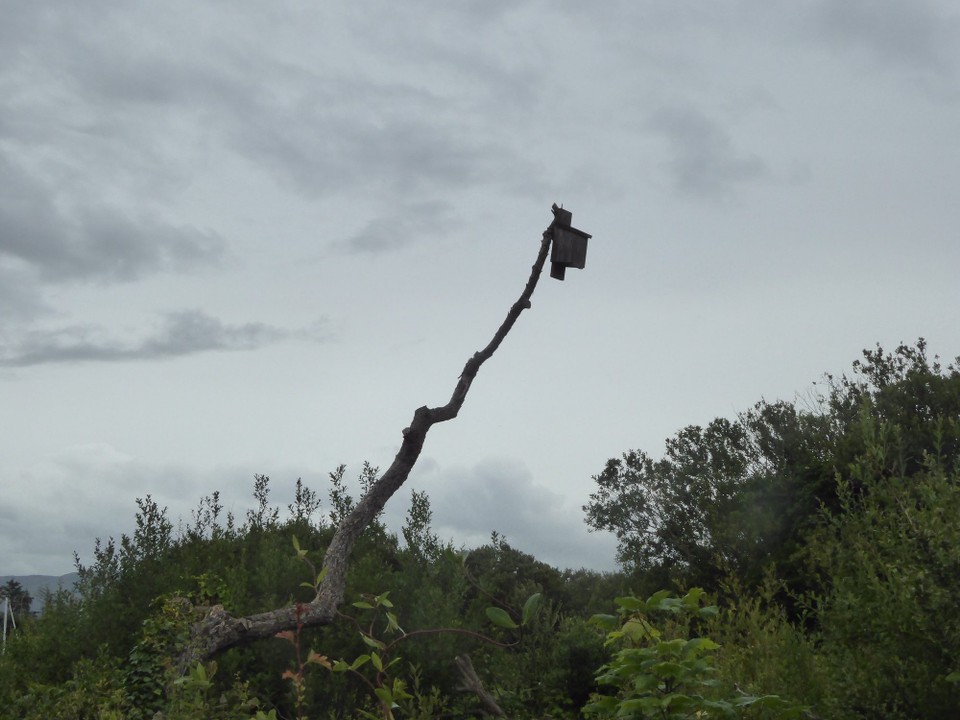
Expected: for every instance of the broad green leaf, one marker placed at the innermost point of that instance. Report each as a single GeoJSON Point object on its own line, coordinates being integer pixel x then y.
{"type": "Point", "coordinates": [669, 669]}
{"type": "Point", "coordinates": [363, 605]}
{"type": "Point", "coordinates": [658, 597]}
{"type": "Point", "coordinates": [630, 603]}
{"type": "Point", "coordinates": [635, 630]}
{"type": "Point", "coordinates": [604, 622]}
{"type": "Point", "coordinates": [530, 608]}
{"type": "Point", "coordinates": [669, 604]}
{"type": "Point", "coordinates": [692, 598]}
{"type": "Point", "coordinates": [376, 662]}
{"type": "Point", "coordinates": [360, 662]}
{"type": "Point", "coordinates": [499, 617]}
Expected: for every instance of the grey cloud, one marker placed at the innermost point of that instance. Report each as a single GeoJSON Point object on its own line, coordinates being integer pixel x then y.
{"type": "Point", "coordinates": [399, 120]}
{"type": "Point", "coordinates": [40, 527]}
{"type": "Point", "coordinates": [703, 160]}
{"type": "Point", "coordinates": [919, 34]}
{"type": "Point", "coordinates": [394, 139]}
{"type": "Point", "coordinates": [19, 299]}
{"type": "Point", "coordinates": [94, 242]}
{"type": "Point", "coordinates": [315, 128]}
{"type": "Point", "coordinates": [502, 495]}
{"type": "Point", "coordinates": [180, 333]}
{"type": "Point", "coordinates": [398, 227]}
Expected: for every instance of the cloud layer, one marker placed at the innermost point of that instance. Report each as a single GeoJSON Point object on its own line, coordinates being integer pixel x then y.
{"type": "Point", "coordinates": [499, 494]}
{"type": "Point", "coordinates": [770, 188]}
{"type": "Point", "coordinates": [179, 333]}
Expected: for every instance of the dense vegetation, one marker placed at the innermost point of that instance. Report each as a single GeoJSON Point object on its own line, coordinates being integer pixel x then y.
{"type": "Point", "coordinates": [798, 560]}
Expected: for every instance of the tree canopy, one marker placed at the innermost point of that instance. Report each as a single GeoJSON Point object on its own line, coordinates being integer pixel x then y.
{"type": "Point", "coordinates": [739, 494]}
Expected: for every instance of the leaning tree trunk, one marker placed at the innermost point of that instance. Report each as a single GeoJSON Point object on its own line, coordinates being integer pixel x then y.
{"type": "Point", "coordinates": [219, 630]}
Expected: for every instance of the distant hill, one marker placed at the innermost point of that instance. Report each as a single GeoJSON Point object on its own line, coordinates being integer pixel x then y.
{"type": "Point", "coordinates": [36, 584]}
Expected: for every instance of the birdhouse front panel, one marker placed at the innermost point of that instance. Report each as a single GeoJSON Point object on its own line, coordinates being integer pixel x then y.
{"type": "Point", "coordinates": [569, 247]}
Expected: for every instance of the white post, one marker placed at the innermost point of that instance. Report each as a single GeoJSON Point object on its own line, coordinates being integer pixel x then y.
{"type": "Point", "coordinates": [6, 606]}
{"type": "Point", "coordinates": [7, 611]}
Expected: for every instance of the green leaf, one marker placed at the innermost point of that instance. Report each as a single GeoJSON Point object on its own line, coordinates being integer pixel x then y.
{"type": "Point", "coordinates": [400, 690]}
{"type": "Point", "coordinates": [530, 607]}
{"type": "Point", "coordinates": [392, 624]}
{"type": "Point", "coordinates": [360, 662]}
{"type": "Point", "coordinates": [372, 642]}
{"type": "Point", "coordinates": [363, 605]}
{"type": "Point", "coordinates": [658, 597]}
{"type": "Point", "coordinates": [630, 603]}
{"type": "Point", "coordinates": [296, 544]}
{"type": "Point", "coordinates": [604, 622]}
{"type": "Point", "coordinates": [667, 604]}
{"type": "Point", "coordinates": [385, 696]}
{"type": "Point", "coordinates": [499, 617]}
{"type": "Point", "coordinates": [637, 630]}
{"type": "Point", "coordinates": [376, 661]}
{"type": "Point", "coordinates": [692, 599]}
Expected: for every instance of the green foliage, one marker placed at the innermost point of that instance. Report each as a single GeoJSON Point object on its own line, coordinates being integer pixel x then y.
{"type": "Point", "coordinates": [137, 599]}
{"type": "Point", "coordinates": [736, 496]}
{"type": "Point", "coordinates": [377, 665]}
{"type": "Point", "coordinates": [195, 695]}
{"type": "Point", "coordinates": [421, 541]}
{"type": "Point", "coordinates": [761, 651]}
{"type": "Point", "coordinates": [93, 690]}
{"type": "Point", "coordinates": [827, 535]}
{"type": "Point", "coordinates": [148, 670]}
{"type": "Point", "coordinates": [19, 600]}
{"type": "Point", "coordinates": [660, 672]}
{"type": "Point", "coordinates": [889, 622]}
{"type": "Point", "coordinates": [724, 496]}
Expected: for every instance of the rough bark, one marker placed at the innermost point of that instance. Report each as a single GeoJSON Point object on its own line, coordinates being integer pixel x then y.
{"type": "Point", "coordinates": [219, 630]}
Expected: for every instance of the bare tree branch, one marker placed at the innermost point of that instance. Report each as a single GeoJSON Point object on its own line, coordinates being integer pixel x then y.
{"type": "Point", "coordinates": [219, 630]}
{"type": "Point", "coordinates": [472, 683]}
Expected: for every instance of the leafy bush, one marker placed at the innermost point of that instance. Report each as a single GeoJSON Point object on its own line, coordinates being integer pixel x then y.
{"type": "Point", "coordinates": [661, 672]}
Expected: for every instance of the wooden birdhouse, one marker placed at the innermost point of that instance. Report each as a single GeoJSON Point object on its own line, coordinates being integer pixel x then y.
{"type": "Point", "coordinates": [569, 244]}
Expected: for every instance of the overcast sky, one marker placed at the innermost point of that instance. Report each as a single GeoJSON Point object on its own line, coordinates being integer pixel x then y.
{"type": "Point", "coordinates": [242, 238]}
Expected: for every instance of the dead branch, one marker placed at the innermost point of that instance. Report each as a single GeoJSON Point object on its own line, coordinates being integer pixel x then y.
{"type": "Point", "coordinates": [219, 630]}
{"type": "Point", "coordinates": [472, 683]}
